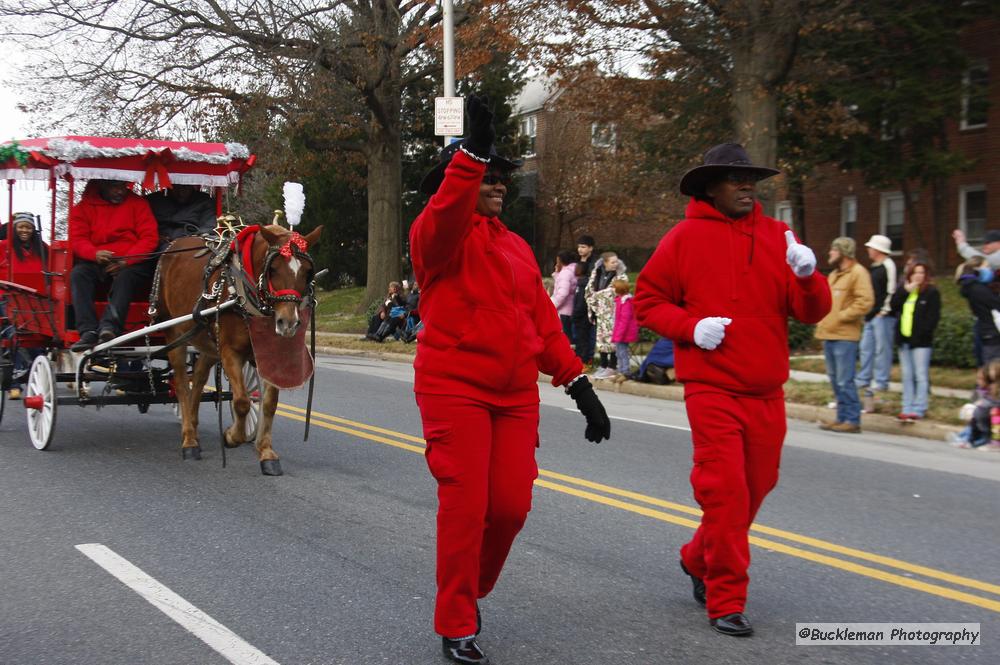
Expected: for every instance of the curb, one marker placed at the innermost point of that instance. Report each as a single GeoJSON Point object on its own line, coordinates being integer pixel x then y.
{"type": "Point", "coordinates": [870, 422]}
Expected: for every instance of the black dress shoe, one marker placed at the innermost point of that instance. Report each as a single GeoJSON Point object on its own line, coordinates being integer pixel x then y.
{"type": "Point", "coordinates": [86, 342]}
{"type": "Point", "coordinates": [736, 625]}
{"type": "Point", "coordinates": [464, 651]}
{"type": "Point", "coordinates": [697, 585]}
{"type": "Point", "coordinates": [106, 335]}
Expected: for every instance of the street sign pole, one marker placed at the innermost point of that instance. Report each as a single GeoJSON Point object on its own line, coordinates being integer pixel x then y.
{"type": "Point", "coordinates": [448, 43]}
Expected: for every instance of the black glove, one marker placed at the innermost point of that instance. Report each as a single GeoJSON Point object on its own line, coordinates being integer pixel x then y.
{"type": "Point", "coordinates": [481, 132]}
{"type": "Point", "coordinates": [598, 424]}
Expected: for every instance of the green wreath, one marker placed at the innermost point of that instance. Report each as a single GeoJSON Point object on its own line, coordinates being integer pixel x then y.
{"type": "Point", "coordinates": [12, 150]}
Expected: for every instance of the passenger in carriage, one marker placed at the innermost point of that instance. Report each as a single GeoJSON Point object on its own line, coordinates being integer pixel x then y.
{"type": "Point", "coordinates": [182, 210]}
{"type": "Point", "coordinates": [25, 249]}
{"type": "Point", "coordinates": [110, 230]}
{"type": "Point", "coordinates": [27, 252]}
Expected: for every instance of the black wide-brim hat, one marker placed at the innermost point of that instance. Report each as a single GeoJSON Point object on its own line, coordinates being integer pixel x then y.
{"type": "Point", "coordinates": [720, 160]}
{"type": "Point", "coordinates": [433, 179]}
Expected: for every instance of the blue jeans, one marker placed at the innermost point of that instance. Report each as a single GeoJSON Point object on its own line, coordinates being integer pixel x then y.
{"type": "Point", "coordinates": [915, 363]}
{"type": "Point", "coordinates": [621, 348]}
{"type": "Point", "coordinates": [841, 356]}
{"type": "Point", "coordinates": [876, 352]}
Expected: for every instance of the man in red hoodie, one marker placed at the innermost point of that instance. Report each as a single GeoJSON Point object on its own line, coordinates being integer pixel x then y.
{"type": "Point", "coordinates": [722, 284]}
{"type": "Point", "coordinates": [109, 222]}
{"type": "Point", "coordinates": [489, 327]}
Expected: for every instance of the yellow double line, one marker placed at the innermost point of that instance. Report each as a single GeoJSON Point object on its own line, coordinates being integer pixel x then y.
{"type": "Point", "coordinates": [654, 508]}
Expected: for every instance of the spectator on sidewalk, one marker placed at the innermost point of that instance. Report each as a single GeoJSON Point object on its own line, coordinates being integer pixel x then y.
{"type": "Point", "coordinates": [985, 397]}
{"type": "Point", "coordinates": [990, 251]}
{"type": "Point", "coordinates": [917, 307]}
{"type": "Point", "coordinates": [564, 290]}
{"type": "Point", "coordinates": [380, 319]}
{"type": "Point", "coordinates": [974, 278]}
{"type": "Point", "coordinates": [583, 327]}
{"type": "Point", "coordinates": [601, 301]}
{"type": "Point", "coordinates": [879, 328]}
{"type": "Point", "coordinates": [722, 284]}
{"type": "Point", "coordinates": [626, 328]}
{"type": "Point", "coordinates": [840, 330]}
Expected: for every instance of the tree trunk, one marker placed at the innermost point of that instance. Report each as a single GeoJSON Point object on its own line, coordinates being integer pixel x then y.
{"type": "Point", "coordinates": [384, 208]}
{"type": "Point", "coordinates": [797, 196]}
{"type": "Point", "coordinates": [383, 91]}
{"type": "Point", "coordinates": [911, 214]}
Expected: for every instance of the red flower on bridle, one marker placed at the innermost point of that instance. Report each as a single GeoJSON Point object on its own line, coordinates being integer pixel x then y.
{"type": "Point", "coordinates": [296, 240]}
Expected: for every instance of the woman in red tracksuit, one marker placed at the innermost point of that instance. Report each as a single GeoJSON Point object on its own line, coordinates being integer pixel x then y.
{"type": "Point", "coordinates": [22, 258]}
{"type": "Point", "coordinates": [489, 327]}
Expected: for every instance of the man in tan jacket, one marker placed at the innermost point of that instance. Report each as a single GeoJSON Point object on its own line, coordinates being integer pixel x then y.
{"type": "Point", "coordinates": [853, 297]}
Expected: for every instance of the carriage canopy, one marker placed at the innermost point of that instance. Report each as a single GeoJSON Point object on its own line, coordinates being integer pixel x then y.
{"type": "Point", "coordinates": [155, 164]}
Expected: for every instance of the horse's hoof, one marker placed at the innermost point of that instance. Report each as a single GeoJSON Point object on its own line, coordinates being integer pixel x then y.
{"type": "Point", "coordinates": [230, 443]}
{"type": "Point", "coordinates": [191, 453]}
{"type": "Point", "coordinates": [270, 467]}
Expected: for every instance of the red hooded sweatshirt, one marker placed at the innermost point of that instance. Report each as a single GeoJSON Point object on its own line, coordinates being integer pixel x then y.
{"type": "Point", "coordinates": [489, 324]}
{"type": "Point", "coordinates": [125, 229]}
{"type": "Point", "coordinates": [711, 265]}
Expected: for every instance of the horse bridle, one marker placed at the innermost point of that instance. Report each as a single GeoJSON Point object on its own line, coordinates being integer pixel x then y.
{"type": "Point", "coordinates": [267, 296]}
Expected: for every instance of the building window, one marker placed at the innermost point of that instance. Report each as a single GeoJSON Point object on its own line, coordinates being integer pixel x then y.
{"type": "Point", "coordinates": [893, 215]}
{"type": "Point", "coordinates": [783, 212]}
{"type": "Point", "coordinates": [972, 212]}
{"type": "Point", "coordinates": [603, 135]}
{"type": "Point", "coordinates": [848, 216]}
{"type": "Point", "coordinates": [529, 132]}
{"type": "Point", "coordinates": [975, 96]}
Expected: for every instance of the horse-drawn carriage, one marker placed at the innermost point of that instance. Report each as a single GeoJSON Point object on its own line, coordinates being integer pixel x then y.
{"type": "Point", "coordinates": [197, 315]}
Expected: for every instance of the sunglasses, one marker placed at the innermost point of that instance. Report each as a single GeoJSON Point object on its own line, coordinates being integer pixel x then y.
{"type": "Point", "coordinates": [493, 178]}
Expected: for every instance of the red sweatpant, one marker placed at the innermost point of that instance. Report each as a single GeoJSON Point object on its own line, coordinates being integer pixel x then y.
{"type": "Point", "coordinates": [737, 450]}
{"type": "Point", "coordinates": [483, 458]}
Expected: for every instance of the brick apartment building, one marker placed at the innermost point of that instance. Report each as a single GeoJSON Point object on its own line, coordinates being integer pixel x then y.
{"type": "Point", "coordinates": [839, 203]}
{"type": "Point", "coordinates": [835, 202]}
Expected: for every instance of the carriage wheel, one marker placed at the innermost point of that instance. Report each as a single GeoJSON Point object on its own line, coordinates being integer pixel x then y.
{"type": "Point", "coordinates": [40, 402]}
{"type": "Point", "coordinates": [251, 380]}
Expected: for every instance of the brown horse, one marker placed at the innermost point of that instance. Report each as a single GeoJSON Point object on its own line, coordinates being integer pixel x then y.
{"type": "Point", "coordinates": [279, 292]}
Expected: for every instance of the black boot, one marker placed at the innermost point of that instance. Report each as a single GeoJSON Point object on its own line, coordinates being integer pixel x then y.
{"type": "Point", "coordinates": [697, 585]}
{"type": "Point", "coordinates": [465, 650]}
{"type": "Point", "coordinates": [736, 625]}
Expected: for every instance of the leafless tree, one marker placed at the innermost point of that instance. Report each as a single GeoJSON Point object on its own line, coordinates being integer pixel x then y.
{"type": "Point", "coordinates": [335, 69]}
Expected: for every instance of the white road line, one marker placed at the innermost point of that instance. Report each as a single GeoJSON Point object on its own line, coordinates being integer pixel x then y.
{"type": "Point", "coordinates": [636, 420]}
{"type": "Point", "coordinates": [229, 645]}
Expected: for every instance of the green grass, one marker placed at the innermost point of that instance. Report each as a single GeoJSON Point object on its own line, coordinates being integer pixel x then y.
{"type": "Point", "coordinates": [941, 409]}
{"type": "Point", "coordinates": [942, 377]}
{"type": "Point", "coordinates": [336, 311]}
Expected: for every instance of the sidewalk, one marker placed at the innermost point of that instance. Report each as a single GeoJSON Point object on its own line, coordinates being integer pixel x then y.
{"type": "Point", "coordinates": [870, 422]}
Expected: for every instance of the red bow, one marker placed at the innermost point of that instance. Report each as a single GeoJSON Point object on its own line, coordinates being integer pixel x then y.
{"type": "Point", "coordinates": [156, 165]}
{"type": "Point", "coordinates": [298, 241]}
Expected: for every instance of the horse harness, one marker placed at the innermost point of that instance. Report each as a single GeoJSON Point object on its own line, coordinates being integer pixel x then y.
{"type": "Point", "coordinates": [232, 261]}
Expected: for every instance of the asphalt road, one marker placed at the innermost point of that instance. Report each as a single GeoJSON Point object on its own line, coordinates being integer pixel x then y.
{"type": "Point", "coordinates": [334, 561]}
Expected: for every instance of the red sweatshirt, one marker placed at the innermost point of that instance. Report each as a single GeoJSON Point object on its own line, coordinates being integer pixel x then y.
{"type": "Point", "coordinates": [711, 265]}
{"type": "Point", "coordinates": [125, 229]}
{"type": "Point", "coordinates": [31, 264]}
{"type": "Point", "coordinates": [489, 324]}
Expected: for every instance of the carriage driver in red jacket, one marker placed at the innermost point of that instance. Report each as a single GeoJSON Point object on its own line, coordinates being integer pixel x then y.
{"type": "Point", "coordinates": [722, 284]}
{"type": "Point", "coordinates": [110, 230]}
{"type": "Point", "coordinates": [489, 327]}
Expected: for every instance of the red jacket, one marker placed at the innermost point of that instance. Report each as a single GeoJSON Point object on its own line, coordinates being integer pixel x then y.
{"type": "Point", "coordinates": [710, 265]}
{"type": "Point", "coordinates": [125, 229]}
{"type": "Point", "coordinates": [489, 324]}
{"type": "Point", "coordinates": [30, 264]}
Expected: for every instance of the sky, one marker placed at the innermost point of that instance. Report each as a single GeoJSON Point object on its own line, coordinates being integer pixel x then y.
{"type": "Point", "coordinates": [31, 196]}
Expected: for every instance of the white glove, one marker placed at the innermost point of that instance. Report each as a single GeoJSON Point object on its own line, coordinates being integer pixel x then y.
{"type": "Point", "coordinates": [710, 331]}
{"type": "Point", "coordinates": [799, 257]}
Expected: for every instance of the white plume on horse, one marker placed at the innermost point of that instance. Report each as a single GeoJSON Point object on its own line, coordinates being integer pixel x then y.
{"type": "Point", "coordinates": [295, 202]}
